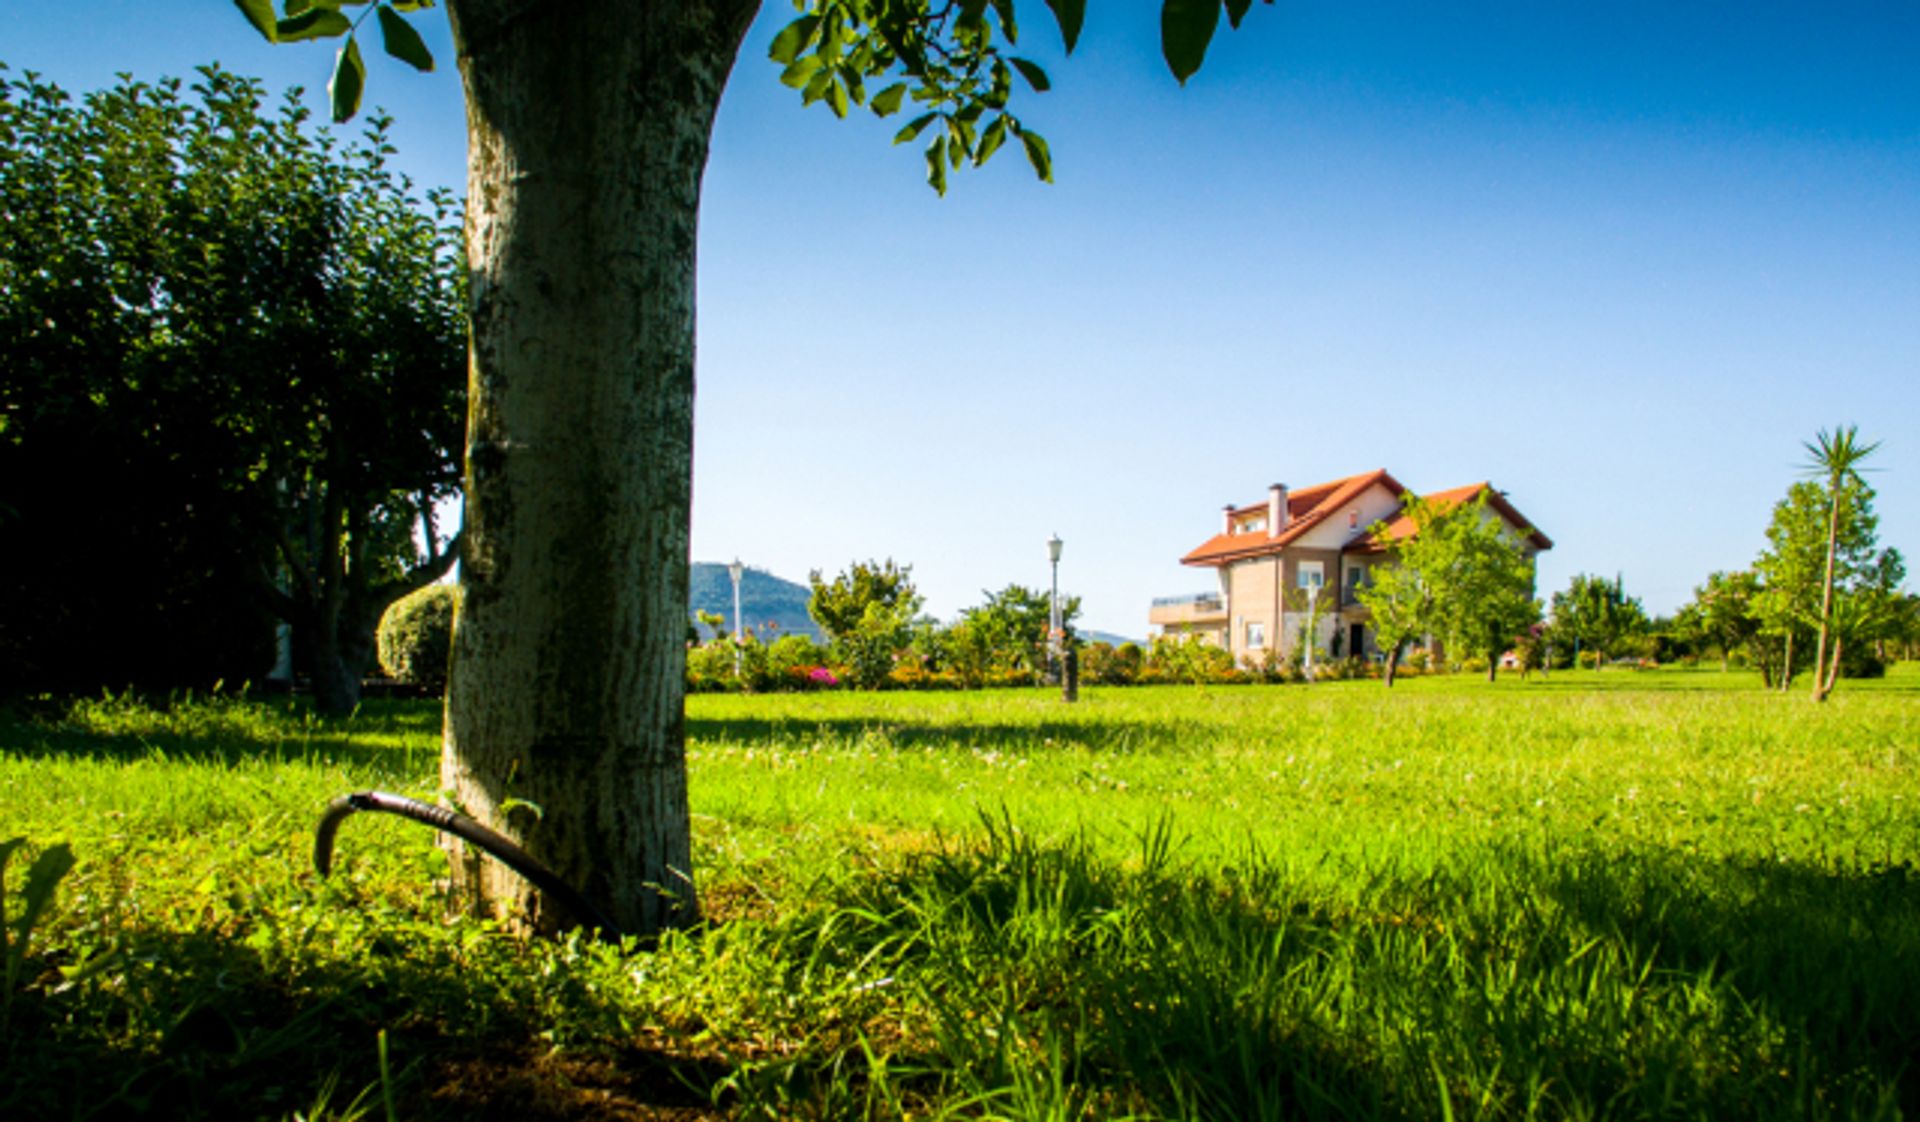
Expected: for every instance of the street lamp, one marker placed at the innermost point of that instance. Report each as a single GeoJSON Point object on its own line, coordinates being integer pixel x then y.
{"type": "Point", "coordinates": [735, 571]}
{"type": "Point", "coordinates": [1053, 615]}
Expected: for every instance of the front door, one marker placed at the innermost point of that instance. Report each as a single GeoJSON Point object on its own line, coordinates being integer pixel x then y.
{"type": "Point", "coordinates": [1357, 640]}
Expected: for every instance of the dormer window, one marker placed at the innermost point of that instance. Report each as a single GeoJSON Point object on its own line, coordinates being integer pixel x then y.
{"type": "Point", "coordinates": [1253, 525]}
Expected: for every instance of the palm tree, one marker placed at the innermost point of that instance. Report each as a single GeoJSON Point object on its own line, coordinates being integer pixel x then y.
{"type": "Point", "coordinates": [1835, 455]}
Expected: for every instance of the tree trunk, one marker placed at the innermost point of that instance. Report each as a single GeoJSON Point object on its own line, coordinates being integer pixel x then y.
{"type": "Point", "coordinates": [336, 684]}
{"type": "Point", "coordinates": [1821, 688]}
{"type": "Point", "coordinates": [1786, 663]}
{"type": "Point", "coordinates": [588, 126]}
{"type": "Point", "coordinates": [1493, 667]}
{"type": "Point", "coordinates": [1393, 663]}
{"type": "Point", "coordinates": [1831, 674]}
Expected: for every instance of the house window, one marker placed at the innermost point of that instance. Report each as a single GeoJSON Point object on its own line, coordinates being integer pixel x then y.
{"type": "Point", "coordinates": [1353, 520]}
{"type": "Point", "coordinates": [1253, 525]}
{"type": "Point", "coordinates": [1256, 633]}
{"type": "Point", "coordinates": [1311, 575]}
{"type": "Point", "coordinates": [1356, 580]}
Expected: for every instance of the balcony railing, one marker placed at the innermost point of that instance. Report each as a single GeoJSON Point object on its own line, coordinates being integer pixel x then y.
{"type": "Point", "coordinates": [1198, 601]}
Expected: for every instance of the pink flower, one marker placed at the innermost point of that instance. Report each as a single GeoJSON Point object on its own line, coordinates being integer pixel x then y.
{"type": "Point", "coordinates": [821, 676]}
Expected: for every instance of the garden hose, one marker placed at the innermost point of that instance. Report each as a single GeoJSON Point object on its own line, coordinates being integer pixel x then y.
{"type": "Point", "coordinates": [459, 825]}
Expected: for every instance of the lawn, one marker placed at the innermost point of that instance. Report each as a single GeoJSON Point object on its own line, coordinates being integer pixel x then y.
{"type": "Point", "coordinates": [1624, 894]}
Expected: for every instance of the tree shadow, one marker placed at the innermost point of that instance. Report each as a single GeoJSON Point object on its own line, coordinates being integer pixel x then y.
{"type": "Point", "coordinates": [202, 1026]}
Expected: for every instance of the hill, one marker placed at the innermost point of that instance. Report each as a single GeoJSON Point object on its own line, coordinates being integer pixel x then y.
{"type": "Point", "coordinates": [770, 607]}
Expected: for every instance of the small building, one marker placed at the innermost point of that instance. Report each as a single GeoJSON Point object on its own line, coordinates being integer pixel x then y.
{"type": "Point", "coordinates": [1304, 555]}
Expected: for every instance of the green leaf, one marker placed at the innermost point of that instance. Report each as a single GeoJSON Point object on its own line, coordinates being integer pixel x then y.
{"type": "Point", "coordinates": [817, 87]}
{"type": "Point", "coordinates": [793, 38]}
{"type": "Point", "coordinates": [837, 97]}
{"type": "Point", "coordinates": [914, 128]}
{"type": "Point", "coordinates": [1186, 27]}
{"type": "Point", "coordinates": [1038, 155]}
{"type": "Point", "coordinates": [349, 79]}
{"type": "Point", "coordinates": [1004, 9]}
{"type": "Point", "coordinates": [887, 101]}
{"type": "Point", "coordinates": [1036, 77]}
{"type": "Point", "coordinates": [1237, 11]}
{"type": "Point", "coordinates": [1069, 14]}
{"type": "Point", "coordinates": [937, 164]}
{"type": "Point", "coordinates": [991, 140]}
{"type": "Point", "coordinates": [314, 23]}
{"type": "Point", "coordinates": [800, 71]}
{"type": "Point", "coordinates": [402, 41]}
{"type": "Point", "coordinates": [259, 13]}
{"type": "Point", "coordinates": [412, 5]}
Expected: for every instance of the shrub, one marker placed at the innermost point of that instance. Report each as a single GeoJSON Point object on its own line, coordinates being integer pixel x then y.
{"type": "Point", "coordinates": [416, 636]}
{"type": "Point", "coordinates": [791, 653]}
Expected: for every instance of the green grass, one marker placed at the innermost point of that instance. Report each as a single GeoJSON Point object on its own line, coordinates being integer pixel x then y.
{"type": "Point", "coordinates": [1604, 895]}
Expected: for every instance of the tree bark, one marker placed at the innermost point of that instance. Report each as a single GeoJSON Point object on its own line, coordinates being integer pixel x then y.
{"type": "Point", "coordinates": [588, 126]}
{"type": "Point", "coordinates": [1820, 688]}
{"type": "Point", "coordinates": [1393, 663]}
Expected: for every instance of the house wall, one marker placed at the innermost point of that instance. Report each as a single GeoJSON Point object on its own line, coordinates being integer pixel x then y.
{"type": "Point", "coordinates": [1250, 599]}
{"type": "Point", "coordinates": [1372, 505]}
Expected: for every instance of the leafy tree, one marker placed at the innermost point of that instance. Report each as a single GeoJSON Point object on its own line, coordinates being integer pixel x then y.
{"type": "Point", "coordinates": [1598, 614]}
{"type": "Point", "coordinates": [587, 138]}
{"type": "Point", "coordinates": [839, 606]}
{"type": "Point", "coordinates": [1014, 622]}
{"type": "Point", "coordinates": [252, 339]}
{"type": "Point", "coordinates": [1399, 595]}
{"type": "Point", "coordinates": [1834, 457]}
{"type": "Point", "coordinates": [1463, 575]}
{"type": "Point", "coordinates": [1723, 612]}
{"type": "Point", "coordinates": [1794, 564]}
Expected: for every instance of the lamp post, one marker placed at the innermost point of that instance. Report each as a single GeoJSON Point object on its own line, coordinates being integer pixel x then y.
{"type": "Point", "coordinates": [1053, 614]}
{"type": "Point", "coordinates": [736, 570]}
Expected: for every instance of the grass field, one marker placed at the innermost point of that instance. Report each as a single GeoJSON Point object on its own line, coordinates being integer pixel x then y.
{"type": "Point", "coordinates": [1632, 895]}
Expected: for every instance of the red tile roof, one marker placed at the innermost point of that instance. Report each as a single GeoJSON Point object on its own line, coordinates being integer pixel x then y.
{"type": "Point", "coordinates": [1310, 506]}
{"type": "Point", "coordinates": [1306, 508]}
{"type": "Point", "coordinates": [1400, 526]}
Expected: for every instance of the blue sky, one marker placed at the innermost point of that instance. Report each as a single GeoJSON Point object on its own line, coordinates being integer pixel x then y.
{"type": "Point", "coordinates": [1621, 259]}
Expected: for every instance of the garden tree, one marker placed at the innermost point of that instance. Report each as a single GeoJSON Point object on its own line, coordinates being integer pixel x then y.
{"type": "Point", "coordinates": [1013, 623]}
{"type": "Point", "coordinates": [1399, 595]}
{"type": "Point", "coordinates": [1462, 575]}
{"type": "Point", "coordinates": [1484, 598]}
{"type": "Point", "coordinates": [839, 605]}
{"type": "Point", "coordinates": [587, 128]}
{"type": "Point", "coordinates": [1793, 566]}
{"type": "Point", "coordinates": [1834, 457]}
{"type": "Point", "coordinates": [867, 611]}
{"type": "Point", "coordinates": [1722, 612]}
{"type": "Point", "coordinates": [253, 335]}
{"type": "Point", "coordinates": [1598, 614]}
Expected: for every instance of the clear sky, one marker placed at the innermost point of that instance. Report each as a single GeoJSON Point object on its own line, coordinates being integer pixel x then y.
{"type": "Point", "coordinates": [1621, 259]}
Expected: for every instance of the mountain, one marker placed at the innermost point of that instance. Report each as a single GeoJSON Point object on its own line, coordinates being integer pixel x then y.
{"type": "Point", "coordinates": [1108, 637]}
{"type": "Point", "coordinates": [764, 600]}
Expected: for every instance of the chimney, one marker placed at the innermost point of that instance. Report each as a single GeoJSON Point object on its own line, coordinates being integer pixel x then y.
{"type": "Point", "coordinates": [1227, 528]}
{"type": "Point", "coordinates": [1276, 509]}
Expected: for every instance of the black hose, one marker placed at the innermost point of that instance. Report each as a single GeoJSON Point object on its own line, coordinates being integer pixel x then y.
{"type": "Point", "coordinates": [464, 828]}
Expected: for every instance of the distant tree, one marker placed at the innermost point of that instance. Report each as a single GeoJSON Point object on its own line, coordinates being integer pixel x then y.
{"type": "Point", "coordinates": [1835, 458]}
{"type": "Point", "coordinates": [1793, 566]}
{"type": "Point", "coordinates": [1399, 595]}
{"type": "Point", "coordinates": [839, 605]}
{"type": "Point", "coordinates": [1463, 575]}
{"type": "Point", "coordinates": [1598, 614]}
{"type": "Point", "coordinates": [1723, 613]}
{"type": "Point", "coordinates": [1013, 623]}
{"type": "Point", "coordinates": [867, 612]}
